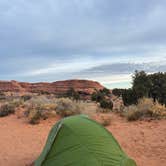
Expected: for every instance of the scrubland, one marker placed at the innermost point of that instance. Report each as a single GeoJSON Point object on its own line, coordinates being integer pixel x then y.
{"type": "Point", "coordinates": [26, 121]}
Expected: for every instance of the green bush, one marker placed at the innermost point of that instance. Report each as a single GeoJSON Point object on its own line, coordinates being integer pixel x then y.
{"type": "Point", "coordinates": [118, 92]}
{"type": "Point", "coordinates": [26, 97]}
{"type": "Point", "coordinates": [141, 84]}
{"type": "Point", "coordinates": [105, 91]}
{"type": "Point", "coordinates": [6, 109]}
{"type": "Point", "coordinates": [97, 96]}
{"type": "Point", "coordinates": [147, 85]}
{"type": "Point", "coordinates": [129, 97]}
{"type": "Point", "coordinates": [101, 97]}
{"type": "Point", "coordinates": [106, 104]}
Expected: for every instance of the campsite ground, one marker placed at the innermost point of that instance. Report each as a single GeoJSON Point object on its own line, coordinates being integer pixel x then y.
{"type": "Point", "coordinates": [21, 143]}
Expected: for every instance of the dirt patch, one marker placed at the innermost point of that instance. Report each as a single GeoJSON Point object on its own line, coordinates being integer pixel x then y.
{"type": "Point", "coordinates": [21, 143]}
{"type": "Point", "coordinates": [144, 141]}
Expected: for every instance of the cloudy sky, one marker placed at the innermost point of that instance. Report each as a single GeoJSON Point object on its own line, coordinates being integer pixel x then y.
{"type": "Point", "coordinates": [103, 40]}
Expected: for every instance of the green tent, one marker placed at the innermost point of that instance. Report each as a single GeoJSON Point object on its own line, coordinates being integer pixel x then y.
{"type": "Point", "coordinates": [80, 141]}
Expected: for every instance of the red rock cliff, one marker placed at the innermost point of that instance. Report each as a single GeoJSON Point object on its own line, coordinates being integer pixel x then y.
{"type": "Point", "coordinates": [59, 87]}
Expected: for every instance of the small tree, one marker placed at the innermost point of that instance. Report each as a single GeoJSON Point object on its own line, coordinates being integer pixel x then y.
{"type": "Point", "coordinates": [97, 96]}
{"type": "Point", "coordinates": [118, 92]}
{"type": "Point", "coordinates": [105, 91]}
{"type": "Point", "coordinates": [129, 97]}
{"type": "Point", "coordinates": [141, 84]}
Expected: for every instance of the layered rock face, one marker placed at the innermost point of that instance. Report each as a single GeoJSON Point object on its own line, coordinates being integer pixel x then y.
{"type": "Point", "coordinates": [59, 87]}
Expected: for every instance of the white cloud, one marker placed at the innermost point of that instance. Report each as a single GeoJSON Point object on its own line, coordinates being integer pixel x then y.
{"type": "Point", "coordinates": [113, 78]}
{"type": "Point", "coordinates": [83, 34]}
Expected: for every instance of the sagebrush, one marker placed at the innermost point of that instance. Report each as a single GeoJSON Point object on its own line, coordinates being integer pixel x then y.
{"type": "Point", "coordinates": [145, 108]}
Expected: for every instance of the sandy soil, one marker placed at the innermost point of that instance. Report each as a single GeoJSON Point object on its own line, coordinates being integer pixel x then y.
{"type": "Point", "coordinates": [21, 143]}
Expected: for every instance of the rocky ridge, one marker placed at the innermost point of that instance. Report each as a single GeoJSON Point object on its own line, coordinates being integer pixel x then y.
{"type": "Point", "coordinates": [58, 87]}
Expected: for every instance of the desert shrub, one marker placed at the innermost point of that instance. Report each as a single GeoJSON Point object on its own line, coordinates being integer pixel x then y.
{"type": "Point", "coordinates": [38, 102]}
{"type": "Point", "coordinates": [42, 92]}
{"type": "Point", "coordinates": [159, 110]}
{"type": "Point", "coordinates": [132, 113]}
{"type": "Point", "coordinates": [26, 97]}
{"type": "Point", "coordinates": [10, 107]}
{"type": "Point", "coordinates": [51, 106]}
{"type": "Point", "coordinates": [145, 108]}
{"type": "Point", "coordinates": [102, 97]}
{"type": "Point", "coordinates": [97, 96]}
{"type": "Point", "coordinates": [6, 109]}
{"type": "Point", "coordinates": [118, 92]}
{"type": "Point", "coordinates": [34, 116]}
{"type": "Point", "coordinates": [1, 93]}
{"type": "Point", "coordinates": [105, 120]}
{"type": "Point", "coordinates": [39, 107]}
{"type": "Point", "coordinates": [101, 94]}
{"type": "Point", "coordinates": [106, 104]}
{"type": "Point", "coordinates": [149, 108]}
{"type": "Point", "coordinates": [2, 96]}
{"type": "Point", "coordinates": [102, 110]}
{"type": "Point", "coordinates": [16, 102]}
{"type": "Point", "coordinates": [67, 107]}
{"type": "Point", "coordinates": [147, 85]}
{"type": "Point", "coordinates": [105, 91]}
{"type": "Point", "coordinates": [47, 110]}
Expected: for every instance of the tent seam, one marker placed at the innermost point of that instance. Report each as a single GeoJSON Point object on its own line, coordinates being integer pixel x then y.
{"type": "Point", "coordinates": [58, 129]}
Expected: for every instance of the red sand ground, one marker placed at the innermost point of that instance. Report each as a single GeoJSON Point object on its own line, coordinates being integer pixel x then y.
{"type": "Point", "coordinates": [21, 143]}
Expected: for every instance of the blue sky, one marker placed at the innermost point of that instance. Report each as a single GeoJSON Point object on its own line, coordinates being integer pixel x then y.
{"type": "Point", "coordinates": [49, 40]}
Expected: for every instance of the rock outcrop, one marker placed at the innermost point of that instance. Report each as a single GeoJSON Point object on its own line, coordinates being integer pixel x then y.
{"type": "Point", "coordinates": [59, 87]}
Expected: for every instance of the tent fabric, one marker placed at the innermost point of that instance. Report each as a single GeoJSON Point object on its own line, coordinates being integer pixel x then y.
{"type": "Point", "coordinates": [80, 141]}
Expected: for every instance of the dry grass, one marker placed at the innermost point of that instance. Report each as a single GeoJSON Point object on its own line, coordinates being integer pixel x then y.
{"type": "Point", "coordinates": [34, 116]}
{"type": "Point", "coordinates": [103, 110]}
{"type": "Point", "coordinates": [6, 109]}
{"type": "Point", "coordinates": [102, 118]}
{"type": "Point", "coordinates": [145, 108]}
{"type": "Point", "coordinates": [105, 120]}
{"type": "Point", "coordinates": [38, 108]}
{"type": "Point", "coordinates": [67, 107]}
{"type": "Point", "coordinates": [39, 101]}
{"type": "Point", "coordinates": [9, 107]}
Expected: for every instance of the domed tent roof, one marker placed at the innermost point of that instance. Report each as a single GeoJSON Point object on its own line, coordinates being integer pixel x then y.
{"type": "Point", "coordinates": [79, 141]}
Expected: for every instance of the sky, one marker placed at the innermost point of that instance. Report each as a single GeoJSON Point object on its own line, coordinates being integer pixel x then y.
{"type": "Point", "coordinates": [106, 41]}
